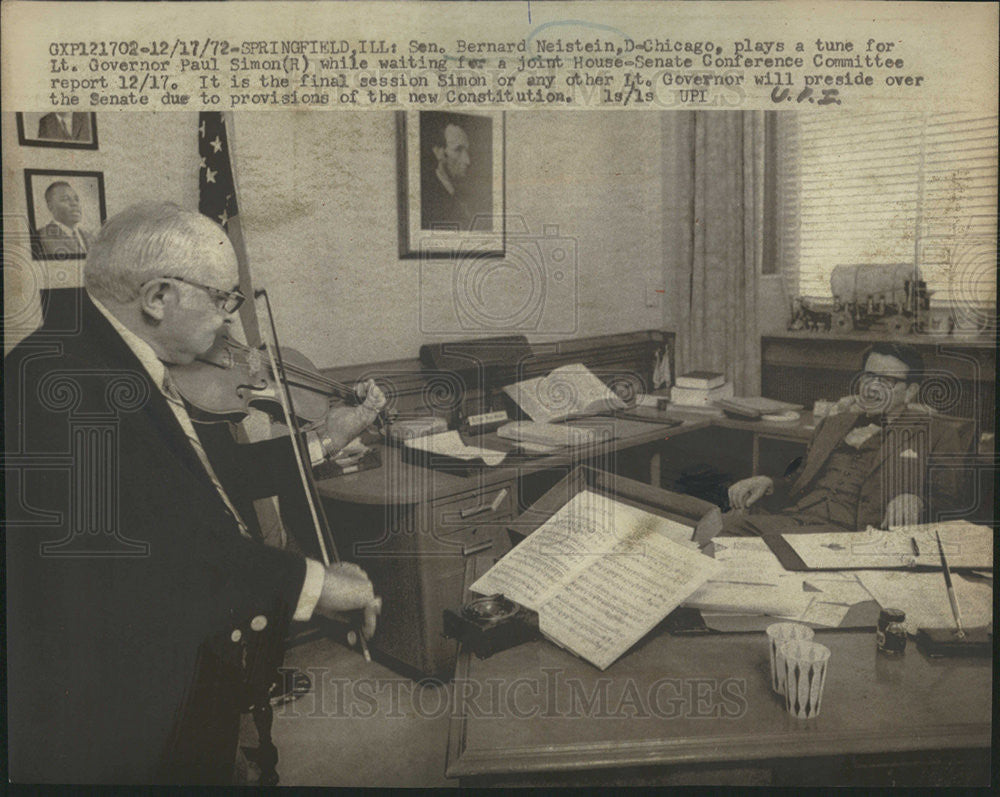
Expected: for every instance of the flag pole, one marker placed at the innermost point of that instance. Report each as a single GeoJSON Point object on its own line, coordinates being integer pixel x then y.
{"type": "Point", "coordinates": [248, 312]}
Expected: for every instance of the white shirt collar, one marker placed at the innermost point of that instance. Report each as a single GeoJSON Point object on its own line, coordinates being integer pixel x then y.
{"type": "Point", "coordinates": [70, 231]}
{"type": "Point", "coordinates": [142, 350]}
{"type": "Point", "coordinates": [443, 179]}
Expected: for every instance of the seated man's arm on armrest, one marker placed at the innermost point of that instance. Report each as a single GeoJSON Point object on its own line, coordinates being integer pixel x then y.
{"type": "Point", "coordinates": [950, 479]}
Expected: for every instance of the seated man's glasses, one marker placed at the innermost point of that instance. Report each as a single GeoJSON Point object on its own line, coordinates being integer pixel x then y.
{"type": "Point", "coordinates": [870, 378]}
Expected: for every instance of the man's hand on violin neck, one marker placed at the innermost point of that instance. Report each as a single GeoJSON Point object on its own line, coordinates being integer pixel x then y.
{"type": "Point", "coordinates": [370, 395]}
{"type": "Point", "coordinates": [346, 588]}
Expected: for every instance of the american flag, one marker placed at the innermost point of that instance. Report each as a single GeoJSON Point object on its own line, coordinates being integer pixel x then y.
{"type": "Point", "coordinates": [217, 200]}
{"type": "Point", "coordinates": [216, 189]}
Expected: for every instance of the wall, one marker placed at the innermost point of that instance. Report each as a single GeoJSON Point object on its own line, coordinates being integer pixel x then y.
{"type": "Point", "coordinates": [142, 156]}
{"type": "Point", "coordinates": [318, 201]}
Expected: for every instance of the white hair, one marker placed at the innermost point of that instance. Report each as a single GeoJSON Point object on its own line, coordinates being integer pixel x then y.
{"type": "Point", "coordinates": [154, 239]}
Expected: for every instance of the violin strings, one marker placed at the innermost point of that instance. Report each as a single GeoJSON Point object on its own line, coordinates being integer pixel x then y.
{"type": "Point", "coordinates": [303, 372]}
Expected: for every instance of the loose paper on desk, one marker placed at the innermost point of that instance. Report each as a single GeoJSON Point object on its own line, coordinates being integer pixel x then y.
{"type": "Point", "coordinates": [449, 444]}
{"type": "Point", "coordinates": [924, 599]}
{"type": "Point", "coordinates": [965, 544]}
{"type": "Point", "coordinates": [752, 581]}
{"type": "Point", "coordinates": [568, 391]}
{"type": "Point", "coordinates": [600, 574]}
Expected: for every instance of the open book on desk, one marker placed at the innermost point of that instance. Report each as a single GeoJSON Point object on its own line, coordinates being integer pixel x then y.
{"type": "Point", "coordinates": [567, 392]}
{"type": "Point", "coordinates": [600, 574]}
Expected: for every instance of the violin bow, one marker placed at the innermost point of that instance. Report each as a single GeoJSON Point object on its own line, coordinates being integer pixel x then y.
{"type": "Point", "coordinates": [251, 329]}
{"type": "Point", "coordinates": [327, 546]}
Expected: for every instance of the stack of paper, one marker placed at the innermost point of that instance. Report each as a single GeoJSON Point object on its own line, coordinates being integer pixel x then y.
{"type": "Point", "coordinates": [700, 397]}
{"type": "Point", "coordinates": [553, 435]}
{"type": "Point", "coordinates": [449, 444]}
{"type": "Point", "coordinates": [753, 582]}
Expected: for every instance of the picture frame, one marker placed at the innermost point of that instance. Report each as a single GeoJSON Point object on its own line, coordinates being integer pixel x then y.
{"type": "Point", "coordinates": [52, 131]}
{"type": "Point", "coordinates": [451, 186]}
{"type": "Point", "coordinates": [65, 210]}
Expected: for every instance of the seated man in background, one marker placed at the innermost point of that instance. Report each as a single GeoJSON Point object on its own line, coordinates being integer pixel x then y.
{"type": "Point", "coordinates": [867, 463]}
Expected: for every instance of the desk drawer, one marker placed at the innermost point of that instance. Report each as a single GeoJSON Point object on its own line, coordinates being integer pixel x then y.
{"type": "Point", "coordinates": [476, 540]}
{"type": "Point", "coordinates": [473, 509]}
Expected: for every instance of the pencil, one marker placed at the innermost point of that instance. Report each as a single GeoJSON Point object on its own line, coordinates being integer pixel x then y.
{"type": "Point", "coordinates": [364, 647]}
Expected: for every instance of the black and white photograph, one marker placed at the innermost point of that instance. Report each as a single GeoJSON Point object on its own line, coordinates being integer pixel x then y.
{"type": "Point", "coordinates": [64, 129]}
{"type": "Point", "coordinates": [451, 183]}
{"type": "Point", "coordinates": [65, 211]}
{"type": "Point", "coordinates": [583, 395]}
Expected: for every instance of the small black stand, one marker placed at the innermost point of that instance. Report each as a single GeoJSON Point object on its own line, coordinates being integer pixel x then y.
{"type": "Point", "coordinates": [947, 642]}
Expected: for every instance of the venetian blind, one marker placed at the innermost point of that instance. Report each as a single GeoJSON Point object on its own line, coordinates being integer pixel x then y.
{"type": "Point", "coordinates": [889, 188]}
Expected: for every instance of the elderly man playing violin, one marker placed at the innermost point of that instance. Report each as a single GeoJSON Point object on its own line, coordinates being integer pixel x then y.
{"type": "Point", "coordinates": [135, 582]}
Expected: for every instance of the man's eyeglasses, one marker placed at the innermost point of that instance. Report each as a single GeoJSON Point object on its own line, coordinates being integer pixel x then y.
{"type": "Point", "coordinates": [885, 379]}
{"type": "Point", "coordinates": [226, 301]}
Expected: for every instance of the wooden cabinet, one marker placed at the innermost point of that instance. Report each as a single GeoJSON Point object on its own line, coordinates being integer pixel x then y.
{"type": "Point", "coordinates": [416, 556]}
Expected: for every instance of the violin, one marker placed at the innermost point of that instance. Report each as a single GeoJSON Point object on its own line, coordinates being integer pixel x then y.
{"type": "Point", "coordinates": [231, 377]}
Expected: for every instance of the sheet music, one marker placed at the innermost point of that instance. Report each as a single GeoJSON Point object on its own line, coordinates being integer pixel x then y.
{"type": "Point", "coordinates": [557, 551]}
{"type": "Point", "coordinates": [600, 573]}
{"type": "Point", "coordinates": [621, 597]}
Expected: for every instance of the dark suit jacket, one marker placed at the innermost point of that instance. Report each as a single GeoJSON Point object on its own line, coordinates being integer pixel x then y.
{"type": "Point", "coordinates": [438, 208]}
{"type": "Point", "coordinates": [54, 241]}
{"type": "Point", "coordinates": [912, 442]}
{"type": "Point", "coordinates": [51, 126]}
{"type": "Point", "coordinates": [123, 567]}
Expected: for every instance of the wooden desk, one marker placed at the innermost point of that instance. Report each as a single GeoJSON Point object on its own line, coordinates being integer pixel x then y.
{"type": "Point", "coordinates": [414, 530]}
{"type": "Point", "coordinates": [679, 710]}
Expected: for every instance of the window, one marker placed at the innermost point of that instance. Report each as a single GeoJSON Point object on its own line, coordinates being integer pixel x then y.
{"type": "Point", "coordinates": [892, 189]}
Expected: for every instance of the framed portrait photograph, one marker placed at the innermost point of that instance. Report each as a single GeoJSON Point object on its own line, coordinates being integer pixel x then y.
{"type": "Point", "coordinates": [451, 184]}
{"type": "Point", "coordinates": [65, 210]}
{"type": "Point", "coordinates": [68, 130]}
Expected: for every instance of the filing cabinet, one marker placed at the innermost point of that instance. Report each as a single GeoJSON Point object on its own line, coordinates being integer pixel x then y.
{"type": "Point", "coordinates": [416, 556]}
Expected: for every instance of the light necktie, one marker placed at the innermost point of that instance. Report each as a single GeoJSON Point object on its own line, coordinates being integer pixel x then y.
{"type": "Point", "coordinates": [79, 238]}
{"type": "Point", "coordinates": [180, 412]}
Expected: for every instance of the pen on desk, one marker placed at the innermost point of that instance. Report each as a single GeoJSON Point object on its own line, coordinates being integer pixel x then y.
{"type": "Point", "coordinates": [951, 590]}
{"type": "Point", "coordinates": [359, 638]}
{"type": "Point", "coordinates": [916, 548]}
{"type": "Point", "coordinates": [364, 647]}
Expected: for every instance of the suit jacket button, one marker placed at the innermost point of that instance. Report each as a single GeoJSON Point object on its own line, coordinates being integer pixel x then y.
{"type": "Point", "coordinates": [237, 635]}
{"type": "Point", "coordinates": [258, 623]}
